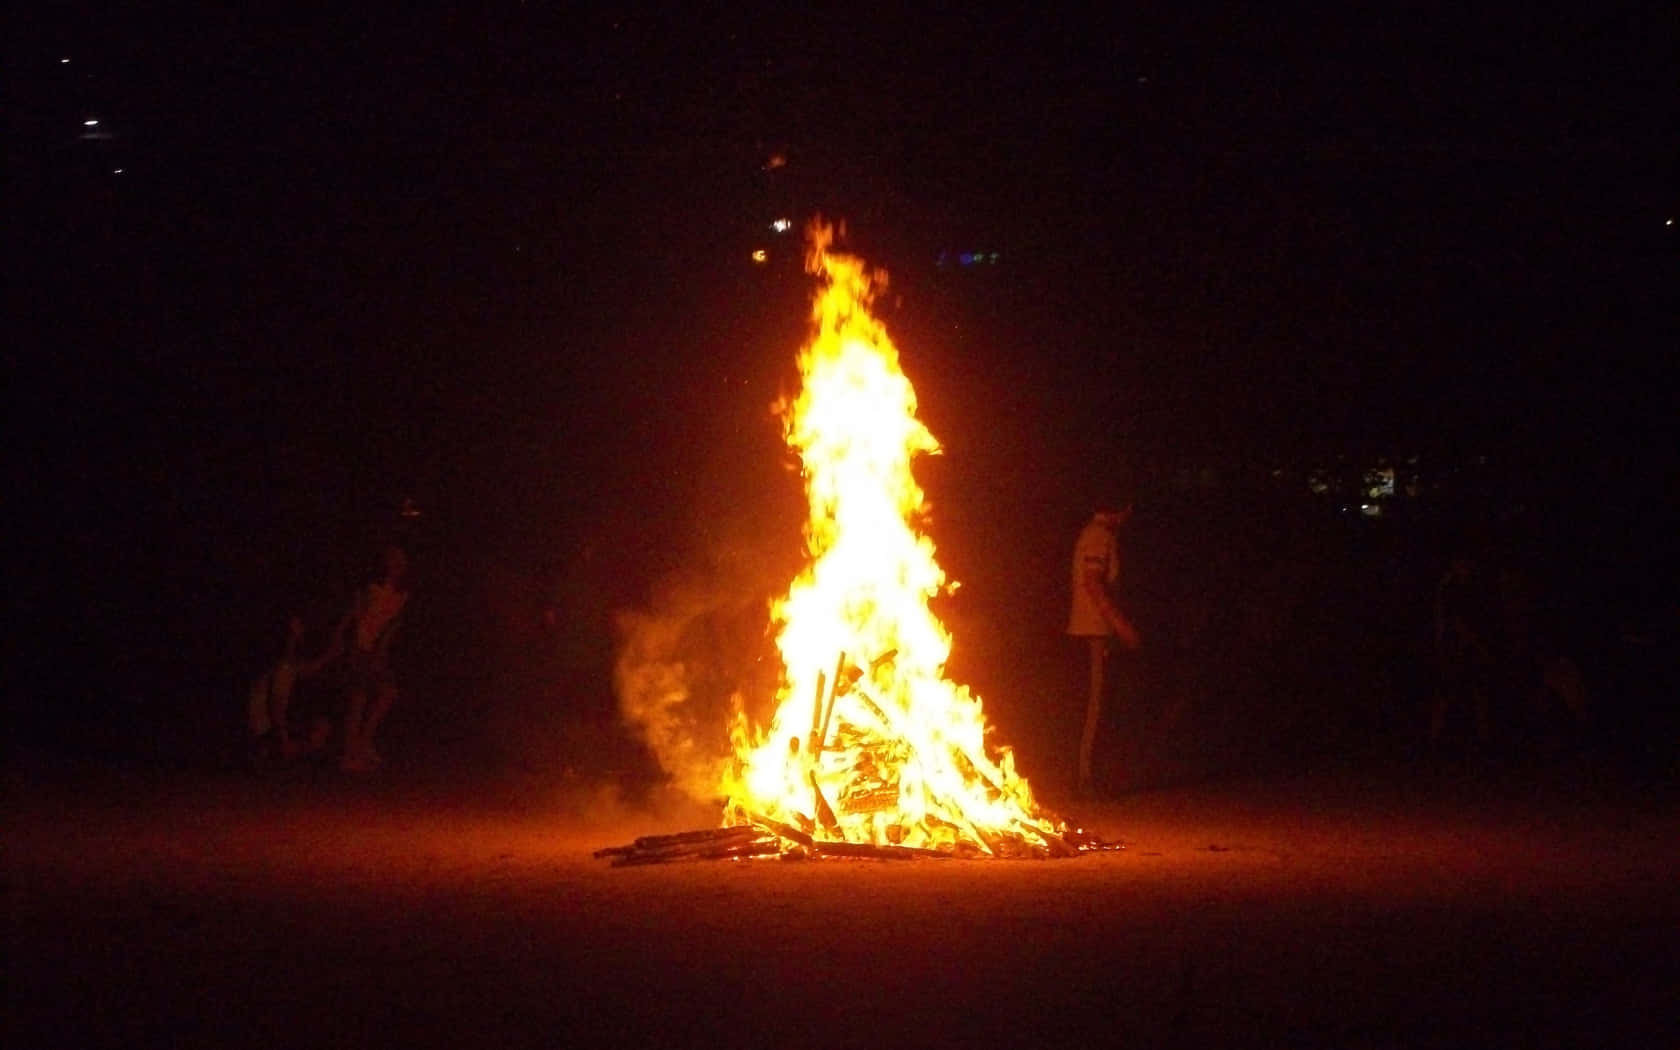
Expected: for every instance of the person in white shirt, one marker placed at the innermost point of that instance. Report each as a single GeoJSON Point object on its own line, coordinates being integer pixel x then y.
{"type": "Point", "coordinates": [1094, 616]}
{"type": "Point", "coordinates": [366, 634]}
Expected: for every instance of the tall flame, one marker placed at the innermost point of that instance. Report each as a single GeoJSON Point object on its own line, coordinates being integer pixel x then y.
{"type": "Point", "coordinates": [870, 743]}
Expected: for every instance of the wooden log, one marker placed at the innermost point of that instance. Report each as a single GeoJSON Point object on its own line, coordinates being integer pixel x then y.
{"type": "Point", "coordinates": [880, 711]}
{"type": "Point", "coordinates": [786, 831]}
{"type": "Point", "coordinates": [824, 709]}
{"type": "Point", "coordinates": [818, 702]}
{"type": "Point", "coordinates": [969, 769]}
{"type": "Point", "coordinates": [828, 708]}
{"type": "Point", "coordinates": [990, 842]}
{"type": "Point", "coordinates": [1054, 843]}
{"type": "Point", "coordinates": [765, 836]}
{"type": "Point", "coordinates": [687, 838]}
{"type": "Point", "coordinates": [697, 849]}
{"type": "Point", "coordinates": [1088, 842]}
{"type": "Point", "coordinates": [825, 814]}
{"type": "Point", "coordinates": [769, 847]}
{"type": "Point", "coordinates": [762, 846]}
{"type": "Point", "coordinates": [839, 670]}
{"type": "Point", "coordinates": [702, 835]}
{"type": "Point", "coordinates": [1058, 846]}
{"type": "Point", "coordinates": [870, 851]}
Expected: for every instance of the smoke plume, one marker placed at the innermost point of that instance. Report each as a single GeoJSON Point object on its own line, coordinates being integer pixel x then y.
{"type": "Point", "coordinates": [684, 665]}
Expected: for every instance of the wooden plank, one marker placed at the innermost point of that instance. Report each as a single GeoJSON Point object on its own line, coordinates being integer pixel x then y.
{"type": "Point", "coordinates": [870, 851]}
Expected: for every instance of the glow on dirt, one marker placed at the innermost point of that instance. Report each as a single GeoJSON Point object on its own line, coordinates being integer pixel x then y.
{"type": "Point", "coordinates": [870, 742]}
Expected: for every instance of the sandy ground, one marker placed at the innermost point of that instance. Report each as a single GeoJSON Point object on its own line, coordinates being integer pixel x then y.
{"type": "Point", "coordinates": [1360, 905]}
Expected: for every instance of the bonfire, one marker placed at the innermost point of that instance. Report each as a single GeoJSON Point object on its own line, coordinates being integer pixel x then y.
{"type": "Point", "coordinates": [871, 750]}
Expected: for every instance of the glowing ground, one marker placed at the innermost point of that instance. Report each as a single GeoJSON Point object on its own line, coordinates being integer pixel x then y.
{"type": "Point", "coordinates": [1350, 907]}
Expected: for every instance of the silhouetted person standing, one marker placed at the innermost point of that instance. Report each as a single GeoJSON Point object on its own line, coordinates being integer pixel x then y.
{"type": "Point", "coordinates": [1464, 652]}
{"type": "Point", "coordinates": [1094, 617]}
{"type": "Point", "coordinates": [371, 625]}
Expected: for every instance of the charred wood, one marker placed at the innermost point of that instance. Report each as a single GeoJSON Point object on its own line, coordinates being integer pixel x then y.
{"type": "Point", "coordinates": [786, 831]}
{"type": "Point", "coordinates": [870, 851]}
{"type": "Point", "coordinates": [684, 840]}
{"type": "Point", "coordinates": [762, 847]}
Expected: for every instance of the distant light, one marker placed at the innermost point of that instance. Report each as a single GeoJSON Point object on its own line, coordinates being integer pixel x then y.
{"type": "Point", "coordinates": [1668, 222]}
{"type": "Point", "coordinates": [64, 61]}
{"type": "Point", "coordinates": [782, 225]}
{"type": "Point", "coordinates": [759, 255]}
{"type": "Point", "coordinates": [116, 171]}
{"type": "Point", "coordinates": [966, 258]}
{"type": "Point", "coordinates": [90, 123]}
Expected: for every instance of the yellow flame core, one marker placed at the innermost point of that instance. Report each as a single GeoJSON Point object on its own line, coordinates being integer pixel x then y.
{"type": "Point", "coordinates": [870, 742]}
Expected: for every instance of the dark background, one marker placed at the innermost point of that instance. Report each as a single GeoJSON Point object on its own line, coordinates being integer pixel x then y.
{"type": "Point", "coordinates": [494, 260]}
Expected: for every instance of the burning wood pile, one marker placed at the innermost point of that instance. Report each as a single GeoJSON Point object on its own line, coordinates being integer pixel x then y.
{"type": "Point", "coordinates": [871, 750]}
{"type": "Point", "coordinates": [770, 838]}
{"type": "Point", "coordinates": [861, 759]}
{"type": "Point", "coordinates": [744, 841]}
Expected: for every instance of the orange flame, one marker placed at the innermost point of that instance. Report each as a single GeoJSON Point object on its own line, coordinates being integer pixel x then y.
{"type": "Point", "coordinates": [870, 743]}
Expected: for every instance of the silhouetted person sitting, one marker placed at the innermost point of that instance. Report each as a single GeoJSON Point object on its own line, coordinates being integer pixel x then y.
{"type": "Point", "coordinates": [269, 712]}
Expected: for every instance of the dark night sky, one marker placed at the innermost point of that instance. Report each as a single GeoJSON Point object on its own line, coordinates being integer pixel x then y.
{"type": "Point", "coordinates": [493, 256]}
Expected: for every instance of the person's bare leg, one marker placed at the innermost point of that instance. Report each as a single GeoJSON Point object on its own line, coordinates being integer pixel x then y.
{"type": "Point", "coordinates": [354, 740]}
{"type": "Point", "coordinates": [383, 698]}
{"type": "Point", "coordinates": [279, 710]}
{"type": "Point", "coordinates": [1093, 710]}
{"type": "Point", "coordinates": [1484, 725]}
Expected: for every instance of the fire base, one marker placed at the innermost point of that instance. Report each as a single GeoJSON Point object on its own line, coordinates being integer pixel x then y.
{"type": "Point", "coordinates": [774, 839]}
